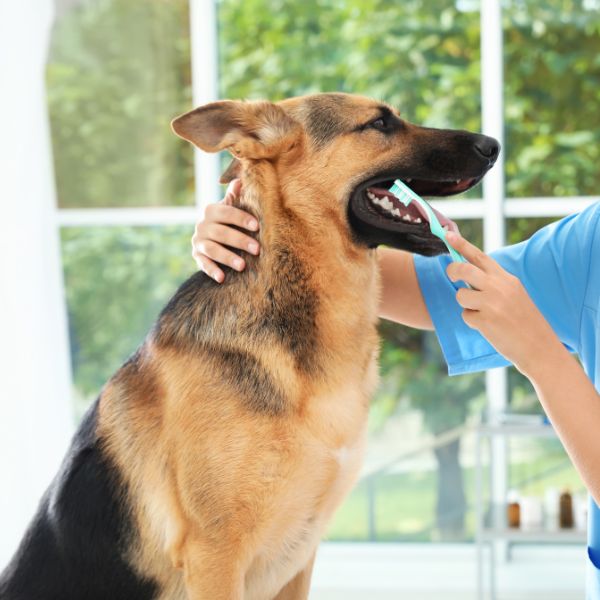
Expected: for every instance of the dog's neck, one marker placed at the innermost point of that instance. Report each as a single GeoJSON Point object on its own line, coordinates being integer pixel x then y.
{"type": "Point", "coordinates": [283, 223]}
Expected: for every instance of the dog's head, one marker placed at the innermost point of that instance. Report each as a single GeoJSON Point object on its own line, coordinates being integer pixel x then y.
{"type": "Point", "coordinates": [343, 152]}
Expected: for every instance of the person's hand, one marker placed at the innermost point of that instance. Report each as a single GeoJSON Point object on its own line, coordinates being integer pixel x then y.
{"type": "Point", "coordinates": [213, 233]}
{"type": "Point", "coordinates": [499, 307]}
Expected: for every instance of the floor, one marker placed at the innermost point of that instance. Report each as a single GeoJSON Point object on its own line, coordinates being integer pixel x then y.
{"type": "Point", "coordinates": [421, 572]}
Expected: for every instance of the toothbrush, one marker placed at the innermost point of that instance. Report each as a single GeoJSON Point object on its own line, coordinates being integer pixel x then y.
{"type": "Point", "coordinates": [406, 196]}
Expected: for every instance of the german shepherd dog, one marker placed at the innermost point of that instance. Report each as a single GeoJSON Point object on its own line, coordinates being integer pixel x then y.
{"type": "Point", "coordinates": [213, 459]}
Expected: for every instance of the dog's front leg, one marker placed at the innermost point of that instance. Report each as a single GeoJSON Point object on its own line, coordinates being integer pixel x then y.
{"type": "Point", "coordinates": [298, 588]}
{"type": "Point", "coordinates": [211, 573]}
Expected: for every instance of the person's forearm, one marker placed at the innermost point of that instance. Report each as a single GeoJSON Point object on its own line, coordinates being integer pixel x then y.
{"type": "Point", "coordinates": [573, 406]}
{"type": "Point", "coordinates": [401, 297]}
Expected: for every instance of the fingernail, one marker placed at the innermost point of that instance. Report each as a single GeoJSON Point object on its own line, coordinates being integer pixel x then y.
{"type": "Point", "coordinates": [252, 225]}
{"type": "Point", "coordinates": [218, 277]}
{"type": "Point", "coordinates": [253, 247]}
{"type": "Point", "coordinates": [238, 263]}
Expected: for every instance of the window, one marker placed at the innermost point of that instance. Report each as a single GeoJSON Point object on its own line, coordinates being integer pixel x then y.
{"type": "Point", "coordinates": [119, 71]}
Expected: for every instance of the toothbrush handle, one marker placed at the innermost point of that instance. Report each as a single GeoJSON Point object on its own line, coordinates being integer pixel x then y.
{"type": "Point", "coordinates": [456, 257]}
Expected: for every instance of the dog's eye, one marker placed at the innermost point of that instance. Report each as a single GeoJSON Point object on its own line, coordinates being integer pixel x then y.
{"type": "Point", "coordinates": [379, 124]}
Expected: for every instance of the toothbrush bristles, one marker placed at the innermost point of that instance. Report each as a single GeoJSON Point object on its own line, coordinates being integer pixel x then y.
{"type": "Point", "coordinates": [402, 193]}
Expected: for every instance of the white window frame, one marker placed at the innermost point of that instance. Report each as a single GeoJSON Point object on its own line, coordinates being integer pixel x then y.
{"type": "Point", "coordinates": [493, 208]}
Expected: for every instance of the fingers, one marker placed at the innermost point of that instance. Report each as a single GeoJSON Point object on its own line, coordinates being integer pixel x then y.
{"type": "Point", "coordinates": [468, 273]}
{"type": "Point", "coordinates": [209, 267]}
{"type": "Point", "coordinates": [222, 234]}
{"type": "Point", "coordinates": [472, 318]}
{"type": "Point", "coordinates": [214, 233]}
{"type": "Point", "coordinates": [469, 299]}
{"type": "Point", "coordinates": [472, 253]}
{"type": "Point", "coordinates": [218, 253]}
{"type": "Point", "coordinates": [230, 215]}
{"type": "Point", "coordinates": [233, 191]}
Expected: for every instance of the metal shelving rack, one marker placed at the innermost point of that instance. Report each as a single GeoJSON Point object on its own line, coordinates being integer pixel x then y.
{"type": "Point", "coordinates": [496, 529]}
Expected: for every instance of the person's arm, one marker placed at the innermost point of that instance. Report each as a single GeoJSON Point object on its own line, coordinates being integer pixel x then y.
{"type": "Point", "coordinates": [401, 297]}
{"type": "Point", "coordinates": [499, 307]}
{"type": "Point", "coordinates": [559, 381]}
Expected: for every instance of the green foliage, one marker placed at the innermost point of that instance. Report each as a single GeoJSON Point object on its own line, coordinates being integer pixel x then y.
{"type": "Point", "coordinates": [117, 280]}
{"type": "Point", "coordinates": [552, 90]}
{"type": "Point", "coordinates": [421, 57]}
{"type": "Point", "coordinates": [119, 71]}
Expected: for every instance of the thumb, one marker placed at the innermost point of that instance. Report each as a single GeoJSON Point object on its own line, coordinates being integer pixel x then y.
{"type": "Point", "coordinates": [233, 191]}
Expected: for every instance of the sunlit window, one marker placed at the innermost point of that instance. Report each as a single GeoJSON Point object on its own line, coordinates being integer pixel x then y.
{"type": "Point", "coordinates": [119, 70]}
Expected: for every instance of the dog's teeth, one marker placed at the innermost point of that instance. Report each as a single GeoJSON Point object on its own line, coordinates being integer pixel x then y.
{"type": "Point", "coordinates": [408, 180]}
{"type": "Point", "coordinates": [418, 220]}
{"type": "Point", "coordinates": [457, 181]}
{"type": "Point", "coordinates": [406, 218]}
{"type": "Point", "coordinates": [396, 212]}
{"type": "Point", "coordinates": [374, 199]}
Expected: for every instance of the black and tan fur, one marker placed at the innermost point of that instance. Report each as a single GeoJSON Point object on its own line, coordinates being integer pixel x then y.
{"type": "Point", "coordinates": [214, 458]}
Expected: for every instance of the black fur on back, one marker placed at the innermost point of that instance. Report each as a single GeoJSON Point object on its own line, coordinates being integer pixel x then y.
{"type": "Point", "coordinates": [75, 546]}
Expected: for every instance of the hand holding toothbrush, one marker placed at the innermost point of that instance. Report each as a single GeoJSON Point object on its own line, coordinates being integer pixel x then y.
{"type": "Point", "coordinates": [499, 307]}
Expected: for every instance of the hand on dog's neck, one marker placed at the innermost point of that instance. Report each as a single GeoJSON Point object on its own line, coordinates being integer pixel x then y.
{"type": "Point", "coordinates": [282, 226]}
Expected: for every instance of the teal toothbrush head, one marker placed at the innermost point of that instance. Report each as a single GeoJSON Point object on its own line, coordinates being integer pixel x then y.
{"type": "Point", "coordinates": [407, 196]}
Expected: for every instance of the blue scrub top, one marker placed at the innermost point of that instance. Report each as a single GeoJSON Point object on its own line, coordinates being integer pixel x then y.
{"type": "Point", "coordinates": [560, 268]}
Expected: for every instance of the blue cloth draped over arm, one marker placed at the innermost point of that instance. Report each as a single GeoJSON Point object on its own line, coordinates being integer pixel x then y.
{"type": "Point", "coordinates": [553, 265]}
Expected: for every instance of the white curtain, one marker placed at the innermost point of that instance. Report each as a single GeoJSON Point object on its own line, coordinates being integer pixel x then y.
{"type": "Point", "coordinates": [35, 404]}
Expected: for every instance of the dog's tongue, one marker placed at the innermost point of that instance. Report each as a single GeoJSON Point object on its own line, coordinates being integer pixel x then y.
{"type": "Point", "coordinates": [449, 224]}
{"type": "Point", "coordinates": [445, 222]}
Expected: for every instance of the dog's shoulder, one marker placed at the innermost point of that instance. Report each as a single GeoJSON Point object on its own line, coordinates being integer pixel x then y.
{"type": "Point", "coordinates": [195, 307]}
{"type": "Point", "coordinates": [197, 287]}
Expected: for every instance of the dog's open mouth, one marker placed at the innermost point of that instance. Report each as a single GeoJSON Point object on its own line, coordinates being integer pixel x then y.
{"type": "Point", "coordinates": [378, 217]}
{"type": "Point", "coordinates": [390, 207]}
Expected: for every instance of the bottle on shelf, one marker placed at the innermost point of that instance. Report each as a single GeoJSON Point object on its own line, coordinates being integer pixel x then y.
{"type": "Point", "coordinates": [580, 510]}
{"type": "Point", "coordinates": [513, 513]}
{"type": "Point", "coordinates": [566, 510]}
{"type": "Point", "coordinates": [552, 508]}
{"type": "Point", "coordinates": [532, 517]}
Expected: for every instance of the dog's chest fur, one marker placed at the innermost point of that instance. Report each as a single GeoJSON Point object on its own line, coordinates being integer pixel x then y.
{"type": "Point", "coordinates": [237, 416]}
{"type": "Point", "coordinates": [321, 480]}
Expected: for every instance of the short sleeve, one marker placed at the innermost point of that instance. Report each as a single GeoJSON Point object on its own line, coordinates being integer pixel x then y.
{"type": "Point", "coordinates": [553, 265]}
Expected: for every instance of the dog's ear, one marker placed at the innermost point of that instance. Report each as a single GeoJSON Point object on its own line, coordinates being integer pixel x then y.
{"type": "Point", "coordinates": [247, 129]}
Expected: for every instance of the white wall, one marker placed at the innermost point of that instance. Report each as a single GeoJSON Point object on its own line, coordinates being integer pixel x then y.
{"type": "Point", "coordinates": [35, 405]}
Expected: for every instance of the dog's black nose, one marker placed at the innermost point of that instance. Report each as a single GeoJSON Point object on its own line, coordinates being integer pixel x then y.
{"type": "Point", "coordinates": [488, 147]}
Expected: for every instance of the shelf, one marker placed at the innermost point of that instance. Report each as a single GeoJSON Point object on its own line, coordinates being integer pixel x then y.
{"type": "Point", "coordinates": [512, 429]}
{"type": "Point", "coordinates": [559, 536]}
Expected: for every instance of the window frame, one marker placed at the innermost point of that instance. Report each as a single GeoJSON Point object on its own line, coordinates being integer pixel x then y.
{"type": "Point", "coordinates": [493, 208]}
